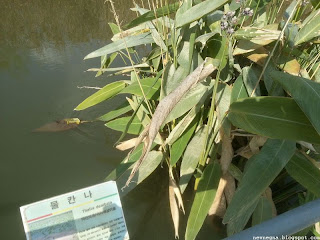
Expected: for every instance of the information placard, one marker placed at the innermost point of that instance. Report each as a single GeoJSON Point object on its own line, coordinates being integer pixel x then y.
{"type": "Point", "coordinates": [93, 213]}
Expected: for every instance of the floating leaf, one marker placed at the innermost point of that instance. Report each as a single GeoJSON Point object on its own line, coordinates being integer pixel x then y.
{"type": "Point", "coordinates": [150, 86]}
{"type": "Point", "coordinates": [120, 124]}
{"type": "Point", "coordinates": [262, 170]}
{"type": "Point", "coordinates": [191, 157]}
{"type": "Point", "coordinates": [198, 11]}
{"type": "Point", "coordinates": [305, 173]}
{"type": "Point", "coordinates": [103, 94]}
{"type": "Point", "coordinates": [203, 199]}
{"type": "Point", "coordinates": [121, 44]}
{"type": "Point", "coordinates": [274, 117]}
{"type": "Point", "coordinates": [309, 30]}
{"type": "Point", "coordinates": [305, 92]}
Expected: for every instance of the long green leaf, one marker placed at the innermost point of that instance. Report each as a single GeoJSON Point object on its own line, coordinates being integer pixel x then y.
{"type": "Point", "coordinates": [120, 110]}
{"type": "Point", "coordinates": [151, 15]}
{"type": "Point", "coordinates": [120, 125]}
{"type": "Point", "coordinates": [203, 200]}
{"type": "Point", "coordinates": [103, 94]}
{"type": "Point", "coordinates": [250, 76]}
{"type": "Point", "coordinates": [150, 86]}
{"type": "Point", "coordinates": [274, 117]}
{"type": "Point", "coordinates": [147, 167]}
{"type": "Point", "coordinates": [191, 157]}
{"type": "Point", "coordinates": [239, 90]}
{"type": "Point", "coordinates": [305, 173]}
{"type": "Point", "coordinates": [262, 212]}
{"type": "Point", "coordinates": [309, 30]}
{"type": "Point", "coordinates": [121, 44]}
{"type": "Point", "coordinates": [262, 170]}
{"type": "Point", "coordinates": [305, 92]}
{"type": "Point", "coordinates": [125, 164]}
{"type": "Point", "coordinates": [180, 145]}
{"type": "Point", "coordinates": [198, 11]}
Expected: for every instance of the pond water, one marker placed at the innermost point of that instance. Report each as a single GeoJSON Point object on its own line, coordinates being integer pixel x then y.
{"type": "Point", "coordinates": [42, 45]}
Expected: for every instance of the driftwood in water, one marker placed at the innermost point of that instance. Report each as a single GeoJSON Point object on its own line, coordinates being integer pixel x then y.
{"type": "Point", "coordinates": [59, 126]}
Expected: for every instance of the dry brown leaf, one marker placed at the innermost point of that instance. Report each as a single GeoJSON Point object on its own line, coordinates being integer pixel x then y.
{"type": "Point", "coordinates": [259, 56]}
{"type": "Point", "coordinates": [226, 152]}
{"type": "Point", "coordinates": [230, 187]}
{"type": "Point", "coordinates": [317, 227]}
{"type": "Point", "coordinates": [127, 144]}
{"type": "Point", "coordinates": [245, 46]}
{"type": "Point", "coordinates": [166, 105]}
{"type": "Point", "coordinates": [217, 208]}
{"type": "Point", "coordinates": [268, 194]}
{"type": "Point", "coordinates": [175, 200]}
{"type": "Point", "coordinates": [176, 189]}
{"type": "Point", "coordinates": [174, 210]}
{"type": "Point", "coordinates": [257, 142]}
{"type": "Point", "coordinates": [245, 152]}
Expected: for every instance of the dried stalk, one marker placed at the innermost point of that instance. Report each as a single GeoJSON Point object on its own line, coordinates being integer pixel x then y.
{"type": "Point", "coordinates": [165, 106]}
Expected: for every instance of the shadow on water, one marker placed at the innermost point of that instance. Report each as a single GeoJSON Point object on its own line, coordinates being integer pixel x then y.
{"type": "Point", "coordinates": [42, 45]}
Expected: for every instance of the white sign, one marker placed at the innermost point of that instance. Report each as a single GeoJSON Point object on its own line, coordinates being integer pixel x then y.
{"type": "Point", "coordinates": [93, 213]}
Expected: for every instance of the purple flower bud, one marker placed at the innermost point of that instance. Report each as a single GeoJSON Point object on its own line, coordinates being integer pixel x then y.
{"type": "Point", "coordinates": [230, 30]}
{"type": "Point", "coordinates": [247, 12]}
{"type": "Point", "coordinates": [234, 20]}
{"type": "Point", "coordinates": [224, 25]}
{"type": "Point", "coordinates": [230, 14]}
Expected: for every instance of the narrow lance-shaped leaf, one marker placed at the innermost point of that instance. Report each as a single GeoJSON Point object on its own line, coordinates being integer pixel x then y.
{"type": "Point", "coordinates": [103, 94]}
{"type": "Point", "coordinates": [150, 87]}
{"type": "Point", "coordinates": [262, 170]}
{"type": "Point", "coordinates": [262, 212]}
{"type": "Point", "coordinates": [120, 124]}
{"type": "Point", "coordinates": [198, 11]}
{"type": "Point", "coordinates": [147, 167]}
{"type": "Point", "coordinates": [274, 117]}
{"type": "Point", "coordinates": [309, 30]}
{"type": "Point", "coordinates": [191, 157]}
{"type": "Point", "coordinates": [118, 111]}
{"type": "Point", "coordinates": [203, 199]}
{"type": "Point", "coordinates": [305, 92]}
{"type": "Point", "coordinates": [153, 14]}
{"type": "Point", "coordinates": [121, 44]}
{"type": "Point", "coordinates": [305, 173]}
{"type": "Point", "coordinates": [239, 90]}
{"type": "Point", "coordinates": [180, 145]}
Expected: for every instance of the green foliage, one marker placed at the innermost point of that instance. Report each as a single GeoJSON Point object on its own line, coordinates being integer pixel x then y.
{"type": "Point", "coordinates": [203, 199]}
{"type": "Point", "coordinates": [105, 93]}
{"type": "Point", "coordinates": [256, 117]}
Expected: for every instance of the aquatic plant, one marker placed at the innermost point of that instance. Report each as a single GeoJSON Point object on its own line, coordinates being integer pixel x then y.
{"type": "Point", "coordinates": [227, 98]}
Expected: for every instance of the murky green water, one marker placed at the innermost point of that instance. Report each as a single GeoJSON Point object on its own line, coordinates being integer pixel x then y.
{"type": "Point", "coordinates": [42, 44]}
